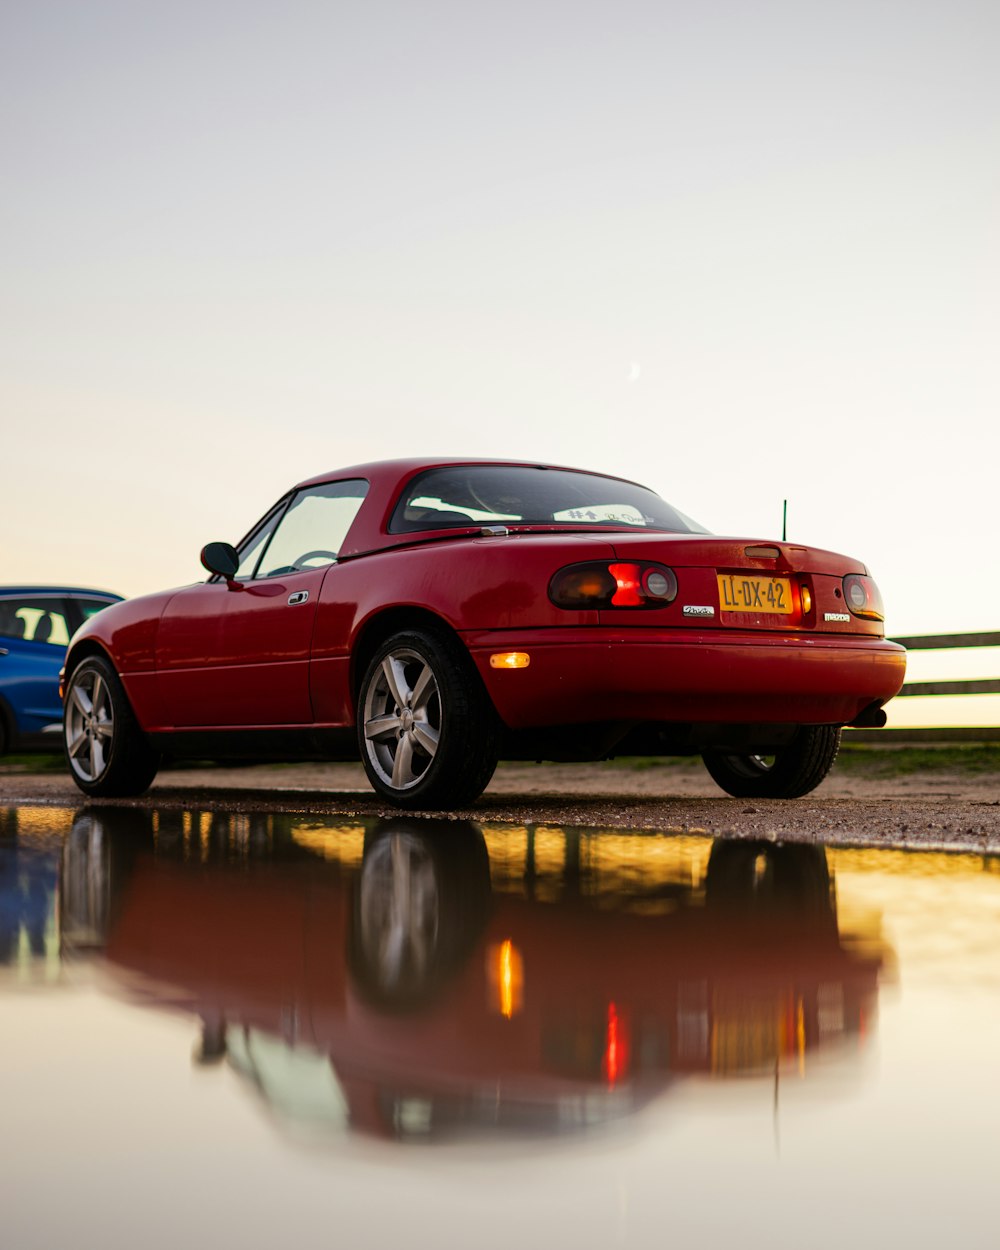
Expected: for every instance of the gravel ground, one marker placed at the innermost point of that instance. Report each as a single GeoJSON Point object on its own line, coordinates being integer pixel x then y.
{"type": "Point", "coordinates": [932, 809]}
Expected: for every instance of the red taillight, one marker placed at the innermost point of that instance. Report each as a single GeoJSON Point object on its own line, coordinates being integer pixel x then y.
{"type": "Point", "coordinates": [617, 585]}
{"type": "Point", "coordinates": [629, 592]}
{"type": "Point", "coordinates": [616, 1051]}
{"type": "Point", "coordinates": [862, 597]}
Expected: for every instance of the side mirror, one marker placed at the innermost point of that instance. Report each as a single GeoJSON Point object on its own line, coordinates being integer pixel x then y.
{"type": "Point", "coordinates": [220, 558]}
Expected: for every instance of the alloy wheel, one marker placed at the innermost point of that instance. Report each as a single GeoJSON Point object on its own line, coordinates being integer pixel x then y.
{"type": "Point", "coordinates": [399, 912]}
{"type": "Point", "coordinates": [402, 718]}
{"type": "Point", "coordinates": [90, 724]}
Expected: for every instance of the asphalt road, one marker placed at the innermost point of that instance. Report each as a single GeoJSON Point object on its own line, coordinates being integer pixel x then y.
{"type": "Point", "coordinates": [927, 810]}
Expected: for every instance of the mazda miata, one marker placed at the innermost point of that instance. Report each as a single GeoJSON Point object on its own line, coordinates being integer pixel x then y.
{"type": "Point", "coordinates": [434, 617]}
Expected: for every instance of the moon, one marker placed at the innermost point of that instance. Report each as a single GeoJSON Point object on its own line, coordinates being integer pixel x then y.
{"type": "Point", "coordinates": [634, 369]}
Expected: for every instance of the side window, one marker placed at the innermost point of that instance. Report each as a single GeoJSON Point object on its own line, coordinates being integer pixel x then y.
{"type": "Point", "coordinates": [34, 620]}
{"type": "Point", "coordinates": [313, 528]}
{"type": "Point", "coordinates": [258, 540]}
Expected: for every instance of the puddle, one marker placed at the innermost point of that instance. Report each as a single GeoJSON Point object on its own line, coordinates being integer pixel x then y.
{"type": "Point", "coordinates": [242, 1028]}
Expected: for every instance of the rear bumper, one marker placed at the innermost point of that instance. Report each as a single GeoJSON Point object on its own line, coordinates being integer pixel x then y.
{"type": "Point", "coordinates": [579, 676]}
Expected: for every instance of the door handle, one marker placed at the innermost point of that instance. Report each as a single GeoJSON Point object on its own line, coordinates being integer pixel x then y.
{"type": "Point", "coordinates": [300, 596]}
{"type": "Point", "coordinates": [4, 651]}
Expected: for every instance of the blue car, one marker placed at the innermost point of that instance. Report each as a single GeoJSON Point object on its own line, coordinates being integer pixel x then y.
{"type": "Point", "coordinates": [36, 623]}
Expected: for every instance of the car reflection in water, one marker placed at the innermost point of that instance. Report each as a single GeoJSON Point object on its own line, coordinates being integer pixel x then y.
{"type": "Point", "coordinates": [28, 876]}
{"type": "Point", "coordinates": [374, 975]}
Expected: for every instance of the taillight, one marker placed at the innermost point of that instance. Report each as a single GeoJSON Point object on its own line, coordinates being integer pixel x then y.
{"type": "Point", "coordinates": [616, 585]}
{"type": "Point", "coordinates": [615, 1060]}
{"type": "Point", "coordinates": [862, 597]}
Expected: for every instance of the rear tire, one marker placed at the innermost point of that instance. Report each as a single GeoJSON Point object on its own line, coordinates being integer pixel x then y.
{"type": "Point", "coordinates": [107, 752]}
{"type": "Point", "coordinates": [770, 881]}
{"type": "Point", "coordinates": [421, 899]}
{"type": "Point", "coordinates": [427, 731]}
{"type": "Point", "coordinates": [789, 773]}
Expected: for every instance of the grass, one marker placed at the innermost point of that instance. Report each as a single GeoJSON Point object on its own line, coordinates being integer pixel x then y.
{"type": "Point", "coordinates": [889, 761]}
{"type": "Point", "coordinates": [36, 762]}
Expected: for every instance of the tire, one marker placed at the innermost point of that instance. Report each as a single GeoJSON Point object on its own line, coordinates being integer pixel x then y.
{"type": "Point", "coordinates": [792, 771]}
{"type": "Point", "coordinates": [107, 752]}
{"type": "Point", "coordinates": [427, 732]}
{"type": "Point", "coordinates": [98, 859]}
{"type": "Point", "coordinates": [421, 899]}
{"type": "Point", "coordinates": [762, 879]}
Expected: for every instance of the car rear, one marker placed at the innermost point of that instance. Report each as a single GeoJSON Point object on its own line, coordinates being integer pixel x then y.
{"type": "Point", "coordinates": [701, 630]}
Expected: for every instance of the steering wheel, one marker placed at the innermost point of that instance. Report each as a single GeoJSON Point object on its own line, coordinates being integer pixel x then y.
{"type": "Point", "coordinates": [319, 554]}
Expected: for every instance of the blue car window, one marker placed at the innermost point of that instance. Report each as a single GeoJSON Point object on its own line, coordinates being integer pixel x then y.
{"type": "Point", "coordinates": [90, 607]}
{"type": "Point", "coordinates": [35, 620]}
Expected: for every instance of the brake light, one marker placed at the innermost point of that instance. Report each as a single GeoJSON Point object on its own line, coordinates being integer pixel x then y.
{"type": "Point", "coordinates": [615, 1060]}
{"type": "Point", "coordinates": [617, 585]}
{"type": "Point", "coordinates": [862, 597]}
{"type": "Point", "coordinates": [629, 592]}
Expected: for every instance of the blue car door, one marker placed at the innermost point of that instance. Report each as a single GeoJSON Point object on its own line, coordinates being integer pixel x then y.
{"type": "Point", "coordinates": [33, 638]}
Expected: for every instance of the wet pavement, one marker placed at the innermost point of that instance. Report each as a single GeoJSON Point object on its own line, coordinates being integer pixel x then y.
{"type": "Point", "coordinates": [259, 1027]}
{"type": "Point", "coordinates": [926, 809]}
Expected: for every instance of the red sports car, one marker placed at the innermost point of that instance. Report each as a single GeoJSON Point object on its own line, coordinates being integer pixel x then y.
{"type": "Point", "coordinates": [436, 616]}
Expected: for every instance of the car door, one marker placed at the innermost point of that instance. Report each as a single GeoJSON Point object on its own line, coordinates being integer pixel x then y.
{"type": "Point", "coordinates": [33, 638]}
{"type": "Point", "coordinates": [236, 654]}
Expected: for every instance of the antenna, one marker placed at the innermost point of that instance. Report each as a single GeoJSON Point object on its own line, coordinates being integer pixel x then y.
{"type": "Point", "coordinates": [784, 520]}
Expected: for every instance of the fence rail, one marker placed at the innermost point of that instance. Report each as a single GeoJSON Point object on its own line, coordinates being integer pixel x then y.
{"type": "Point", "coordinates": [954, 733]}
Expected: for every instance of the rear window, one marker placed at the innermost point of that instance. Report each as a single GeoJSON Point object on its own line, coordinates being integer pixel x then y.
{"type": "Point", "coordinates": [467, 495]}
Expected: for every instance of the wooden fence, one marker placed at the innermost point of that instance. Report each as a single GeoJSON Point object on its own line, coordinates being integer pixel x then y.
{"type": "Point", "coordinates": [987, 685]}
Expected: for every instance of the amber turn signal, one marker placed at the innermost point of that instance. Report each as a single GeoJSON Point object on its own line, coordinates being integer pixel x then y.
{"type": "Point", "coordinates": [505, 967]}
{"type": "Point", "coordinates": [510, 659]}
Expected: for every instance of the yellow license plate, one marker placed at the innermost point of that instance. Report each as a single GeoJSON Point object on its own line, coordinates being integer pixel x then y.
{"type": "Point", "coordinates": [740, 592]}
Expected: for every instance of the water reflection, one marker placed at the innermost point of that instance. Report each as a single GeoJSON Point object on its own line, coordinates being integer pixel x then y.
{"type": "Point", "coordinates": [412, 979]}
{"type": "Point", "coordinates": [29, 870]}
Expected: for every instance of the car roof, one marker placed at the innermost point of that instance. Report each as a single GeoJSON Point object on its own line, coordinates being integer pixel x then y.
{"type": "Point", "coordinates": [46, 591]}
{"type": "Point", "coordinates": [386, 478]}
{"type": "Point", "coordinates": [400, 470]}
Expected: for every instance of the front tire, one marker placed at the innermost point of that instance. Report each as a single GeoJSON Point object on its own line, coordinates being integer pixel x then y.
{"type": "Point", "coordinates": [108, 754]}
{"type": "Point", "coordinates": [427, 731]}
{"type": "Point", "coordinates": [789, 773]}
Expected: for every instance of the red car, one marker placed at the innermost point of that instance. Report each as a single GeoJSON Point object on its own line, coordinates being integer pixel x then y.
{"type": "Point", "coordinates": [436, 616]}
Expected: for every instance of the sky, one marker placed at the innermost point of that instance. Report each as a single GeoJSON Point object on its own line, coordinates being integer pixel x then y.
{"type": "Point", "coordinates": [741, 253]}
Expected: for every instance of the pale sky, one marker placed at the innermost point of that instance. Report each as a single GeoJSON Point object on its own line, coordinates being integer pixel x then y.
{"type": "Point", "coordinates": [739, 252]}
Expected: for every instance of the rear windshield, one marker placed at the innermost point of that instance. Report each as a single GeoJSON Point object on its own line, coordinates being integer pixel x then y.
{"type": "Point", "coordinates": [466, 495]}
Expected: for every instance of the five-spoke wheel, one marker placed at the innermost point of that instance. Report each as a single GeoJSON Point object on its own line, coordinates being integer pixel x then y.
{"type": "Point", "coordinates": [421, 898]}
{"type": "Point", "coordinates": [398, 914]}
{"type": "Point", "coordinates": [90, 724]}
{"type": "Point", "coordinates": [107, 752]}
{"type": "Point", "coordinates": [427, 732]}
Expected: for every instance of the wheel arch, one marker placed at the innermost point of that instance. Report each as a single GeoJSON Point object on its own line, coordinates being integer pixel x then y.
{"type": "Point", "coordinates": [382, 625]}
{"type": "Point", "coordinates": [83, 649]}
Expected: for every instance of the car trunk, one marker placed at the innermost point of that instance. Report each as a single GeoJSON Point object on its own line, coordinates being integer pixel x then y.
{"type": "Point", "coordinates": [730, 583]}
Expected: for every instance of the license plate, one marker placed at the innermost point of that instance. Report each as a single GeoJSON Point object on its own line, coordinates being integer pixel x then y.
{"type": "Point", "coordinates": [739, 592]}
